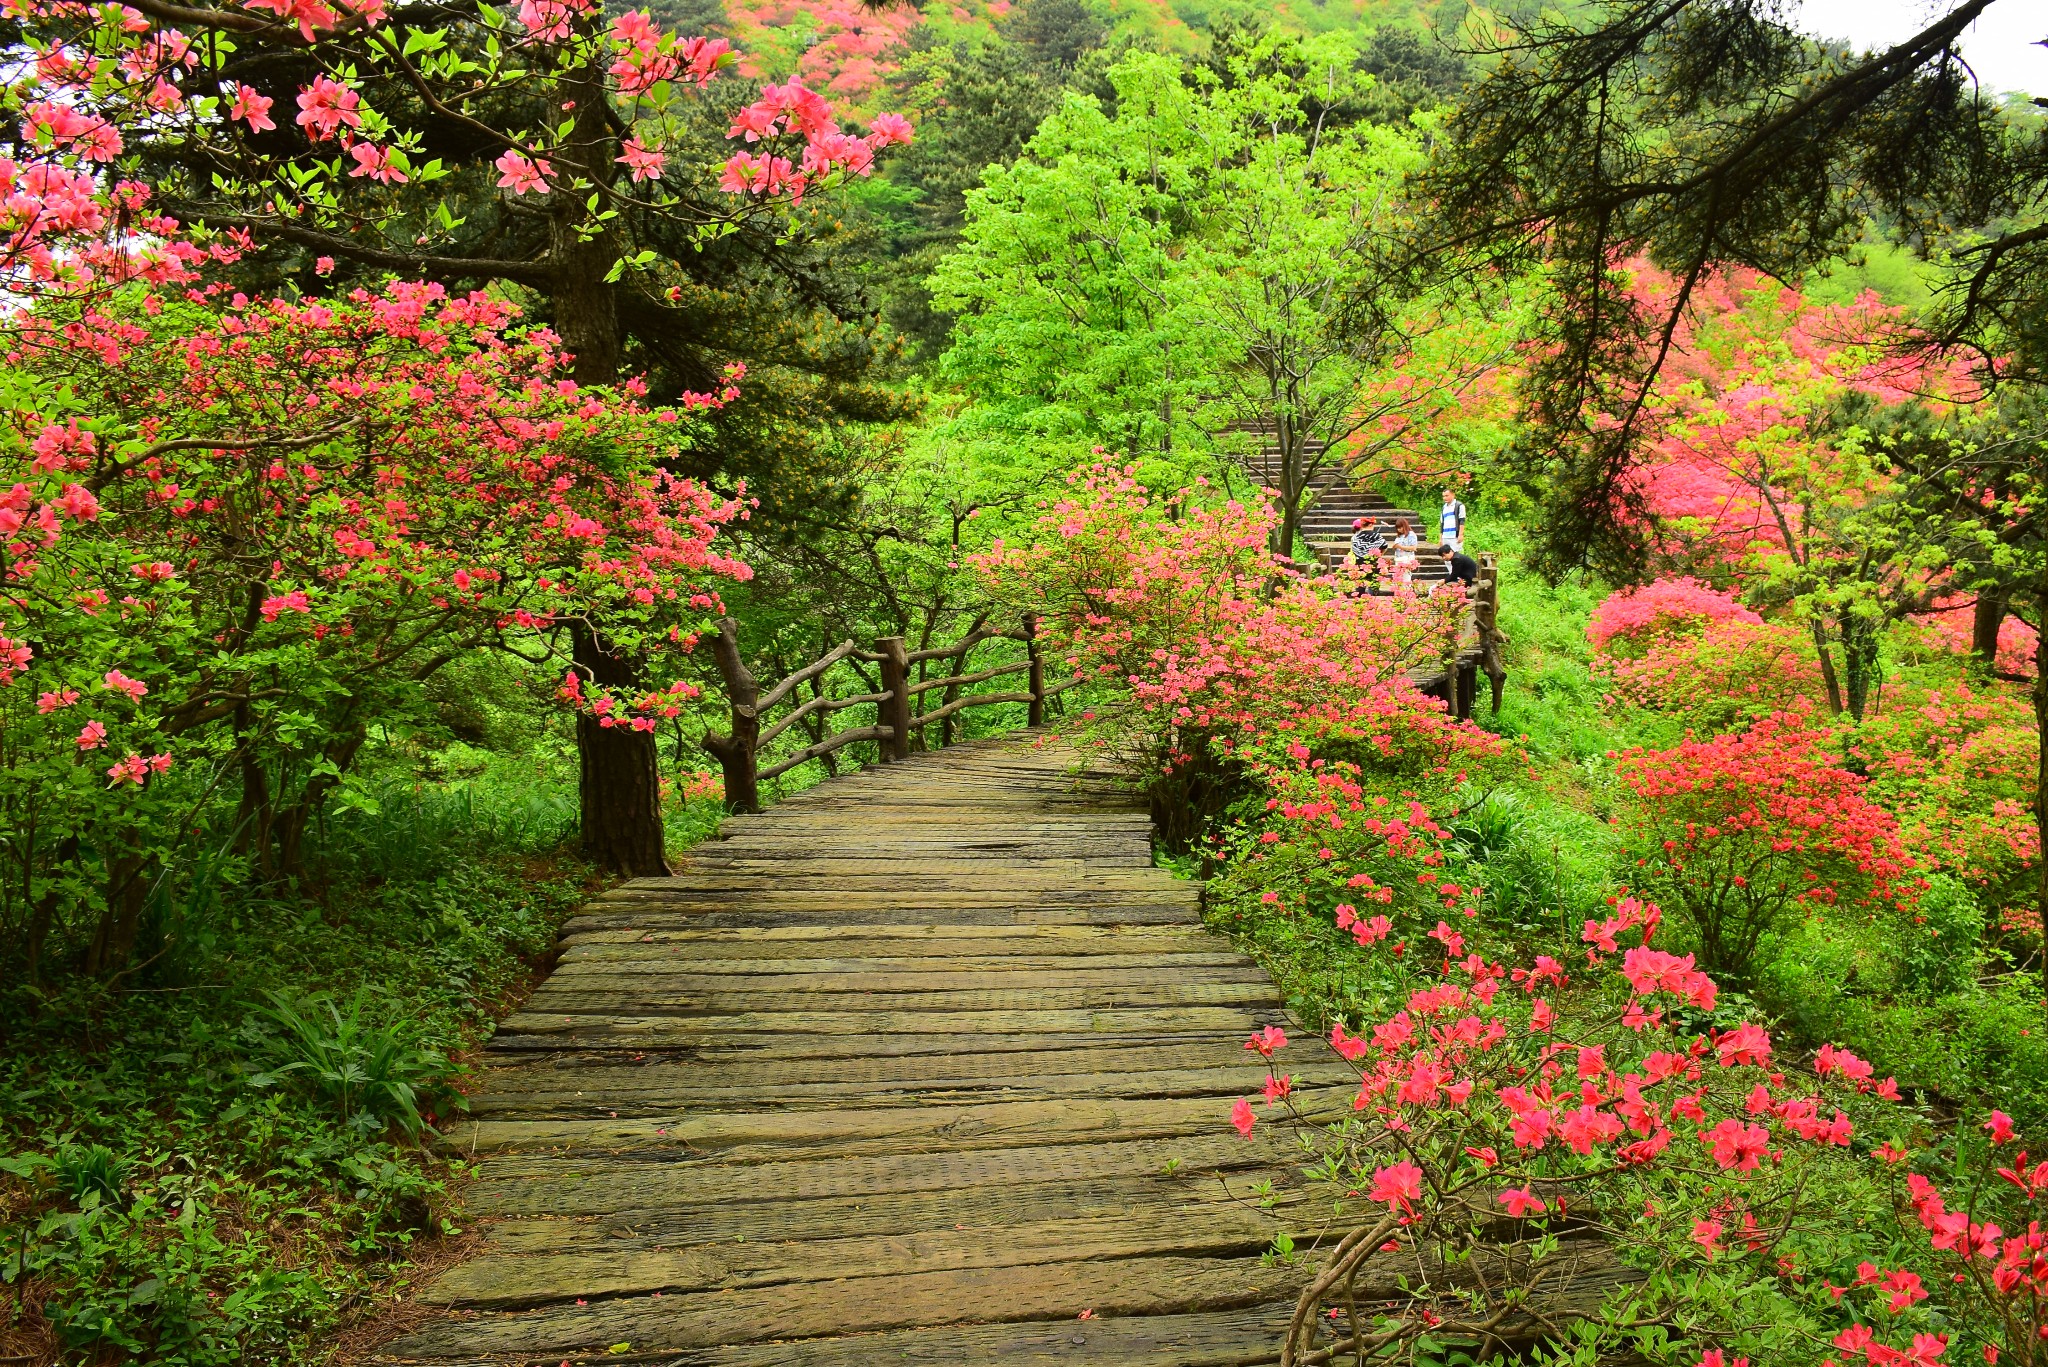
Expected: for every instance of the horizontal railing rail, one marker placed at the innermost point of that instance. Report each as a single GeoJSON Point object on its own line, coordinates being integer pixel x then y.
{"type": "Point", "coordinates": [899, 704]}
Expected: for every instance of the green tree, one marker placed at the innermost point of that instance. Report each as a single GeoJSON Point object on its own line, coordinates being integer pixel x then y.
{"type": "Point", "coordinates": [1210, 263]}
{"type": "Point", "coordinates": [982, 96]}
{"type": "Point", "coordinates": [1707, 133]}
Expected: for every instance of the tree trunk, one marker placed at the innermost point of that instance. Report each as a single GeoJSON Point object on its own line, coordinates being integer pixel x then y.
{"type": "Point", "coordinates": [586, 305]}
{"type": "Point", "coordinates": [1827, 667]}
{"type": "Point", "coordinates": [44, 915]}
{"type": "Point", "coordinates": [113, 941]}
{"type": "Point", "coordinates": [619, 779]}
{"type": "Point", "coordinates": [1985, 620]}
{"type": "Point", "coordinates": [1859, 657]}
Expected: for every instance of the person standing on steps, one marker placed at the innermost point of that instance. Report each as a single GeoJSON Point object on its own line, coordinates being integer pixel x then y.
{"type": "Point", "coordinates": [1406, 546]}
{"type": "Point", "coordinates": [1451, 523]}
{"type": "Point", "coordinates": [1367, 545]}
{"type": "Point", "coordinates": [1368, 552]}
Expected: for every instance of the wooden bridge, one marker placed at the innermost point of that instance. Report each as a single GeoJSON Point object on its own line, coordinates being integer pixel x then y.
{"type": "Point", "coordinates": [928, 1064]}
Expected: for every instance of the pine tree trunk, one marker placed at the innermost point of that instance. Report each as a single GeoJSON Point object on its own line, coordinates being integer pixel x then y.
{"type": "Point", "coordinates": [619, 776]}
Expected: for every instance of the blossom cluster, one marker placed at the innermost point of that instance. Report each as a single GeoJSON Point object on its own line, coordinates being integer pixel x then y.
{"type": "Point", "coordinates": [1563, 1099]}
{"type": "Point", "coordinates": [1739, 831]}
{"type": "Point", "coordinates": [225, 534]}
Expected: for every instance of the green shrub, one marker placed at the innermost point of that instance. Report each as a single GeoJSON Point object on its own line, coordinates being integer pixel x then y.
{"type": "Point", "coordinates": [371, 1072]}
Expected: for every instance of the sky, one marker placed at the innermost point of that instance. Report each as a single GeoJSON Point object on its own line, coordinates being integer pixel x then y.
{"type": "Point", "coordinates": [2000, 47]}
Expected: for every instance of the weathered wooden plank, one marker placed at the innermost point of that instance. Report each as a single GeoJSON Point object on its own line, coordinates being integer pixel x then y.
{"type": "Point", "coordinates": [903, 938]}
{"type": "Point", "coordinates": [577, 1184]}
{"type": "Point", "coordinates": [576, 1092]}
{"type": "Point", "coordinates": [1124, 1286]}
{"type": "Point", "coordinates": [612, 996]}
{"type": "Point", "coordinates": [665, 973]}
{"type": "Point", "coordinates": [1236, 1338]}
{"type": "Point", "coordinates": [569, 1049]}
{"type": "Point", "coordinates": [1148, 1021]}
{"type": "Point", "coordinates": [811, 915]}
{"type": "Point", "coordinates": [640, 955]}
{"type": "Point", "coordinates": [763, 1136]}
{"type": "Point", "coordinates": [505, 1279]}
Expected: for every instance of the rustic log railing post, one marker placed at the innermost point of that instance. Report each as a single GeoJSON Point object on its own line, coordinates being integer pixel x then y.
{"type": "Point", "coordinates": [895, 712]}
{"type": "Point", "coordinates": [1486, 615]}
{"type": "Point", "coordinates": [1036, 716]}
{"type": "Point", "coordinates": [736, 753]}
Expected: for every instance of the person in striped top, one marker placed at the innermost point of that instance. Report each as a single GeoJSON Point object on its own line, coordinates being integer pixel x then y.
{"type": "Point", "coordinates": [1451, 523]}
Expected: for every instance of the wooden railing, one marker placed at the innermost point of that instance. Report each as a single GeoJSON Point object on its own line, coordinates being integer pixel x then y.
{"type": "Point", "coordinates": [899, 707]}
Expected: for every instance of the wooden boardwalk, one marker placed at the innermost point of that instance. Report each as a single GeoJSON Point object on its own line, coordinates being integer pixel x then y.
{"type": "Point", "coordinates": [928, 1065]}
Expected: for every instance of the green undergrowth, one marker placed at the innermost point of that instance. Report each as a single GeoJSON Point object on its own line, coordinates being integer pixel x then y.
{"type": "Point", "coordinates": [226, 1157]}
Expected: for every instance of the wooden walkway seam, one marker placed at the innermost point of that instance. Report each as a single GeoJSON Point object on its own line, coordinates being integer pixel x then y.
{"type": "Point", "coordinates": [921, 1066]}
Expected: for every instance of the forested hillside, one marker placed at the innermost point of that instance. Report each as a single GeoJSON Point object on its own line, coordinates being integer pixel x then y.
{"type": "Point", "coordinates": [1542, 508]}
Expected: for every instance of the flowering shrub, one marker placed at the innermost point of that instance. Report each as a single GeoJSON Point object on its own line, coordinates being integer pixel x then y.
{"type": "Point", "coordinates": [1520, 1132]}
{"type": "Point", "coordinates": [1957, 768]}
{"type": "Point", "coordinates": [1953, 627]}
{"type": "Point", "coordinates": [1737, 832]}
{"type": "Point", "coordinates": [1216, 663]}
{"type": "Point", "coordinates": [1731, 672]}
{"type": "Point", "coordinates": [1634, 619]}
{"type": "Point", "coordinates": [232, 542]}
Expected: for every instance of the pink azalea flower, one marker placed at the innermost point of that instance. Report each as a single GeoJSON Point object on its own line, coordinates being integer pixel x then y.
{"type": "Point", "coordinates": [118, 682]}
{"type": "Point", "coordinates": [885, 129]}
{"type": "Point", "coordinates": [252, 107]}
{"type": "Point", "coordinates": [644, 162]}
{"type": "Point", "coordinates": [1396, 1185]}
{"type": "Point", "coordinates": [520, 173]}
{"type": "Point", "coordinates": [93, 736]}
{"type": "Point", "coordinates": [326, 107]}
{"type": "Point", "coordinates": [375, 162]}
{"type": "Point", "coordinates": [130, 770]}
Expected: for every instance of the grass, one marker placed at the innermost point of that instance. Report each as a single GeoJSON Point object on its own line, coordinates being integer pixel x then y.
{"type": "Point", "coordinates": [225, 1164]}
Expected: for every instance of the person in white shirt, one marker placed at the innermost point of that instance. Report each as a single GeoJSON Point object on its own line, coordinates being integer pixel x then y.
{"type": "Point", "coordinates": [1406, 544]}
{"type": "Point", "coordinates": [1451, 525]}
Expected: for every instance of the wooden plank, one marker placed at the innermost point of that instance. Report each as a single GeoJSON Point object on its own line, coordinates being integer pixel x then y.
{"type": "Point", "coordinates": [505, 1279]}
{"type": "Point", "coordinates": [640, 954]}
{"type": "Point", "coordinates": [614, 996]}
{"type": "Point", "coordinates": [922, 937]}
{"type": "Point", "coordinates": [1235, 1338]}
{"type": "Point", "coordinates": [764, 1136]}
{"type": "Point", "coordinates": [588, 1090]}
{"type": "Point", "coordinates": [714, 1048]}
{"type": "Point", "coordinates": [1077, 1020]}
{"type": "Point", "coordinates": [947, 1059]}
{"type": "Point", "coordinates": [1125, 1286]}
{"type": "Point", "coordinates": [565, 1102]}
{"type": "Point", "coordinates": [981, 1209]}
{"type": "Point", "coordinates": [575, 1184]}
{"type": "Point", "coordinates": [670, 975]}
